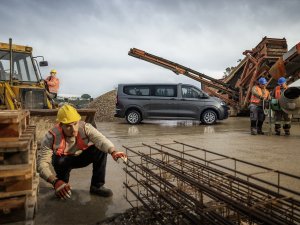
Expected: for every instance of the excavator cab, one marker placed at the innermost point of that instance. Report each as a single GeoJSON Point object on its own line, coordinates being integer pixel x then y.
{"type": "Point", "coordinates": [21, 86]}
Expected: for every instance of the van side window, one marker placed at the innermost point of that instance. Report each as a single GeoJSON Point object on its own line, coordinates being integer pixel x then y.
{"type": "Point", "coordinates": [137, 90]}
{"type": "Point", "coordinates": [191, 92]}
{"type": "Point", "coordinates": [165, 91]}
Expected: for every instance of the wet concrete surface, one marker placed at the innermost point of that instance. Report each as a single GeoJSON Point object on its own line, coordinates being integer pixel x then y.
{"type": "Point", "coordinates": [230, 137]}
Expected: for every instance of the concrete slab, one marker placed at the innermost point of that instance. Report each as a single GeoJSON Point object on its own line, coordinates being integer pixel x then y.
{"type": "Point", "coordinates": [230, 137]}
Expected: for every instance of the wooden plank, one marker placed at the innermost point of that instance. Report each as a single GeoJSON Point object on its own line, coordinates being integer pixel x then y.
{"type": "Point", "coordinates": [11, 158]}
{"type": "Point", "coordinates": [20, 169]}
{"type": "Point", "coordinates": [21, 142]}
{"type": "Point", "coordinates": [19, 209]}
{"type": "Point", "coordinates": [19, 184]}
{"type": "Point", "coordinates": [9, 203]}
{"type": "Point", "coordinates": [12, 124]}
{"type": "Point", "coordinates": [29, 190]}
{"type": "Point", "coordinates": [10, 131]}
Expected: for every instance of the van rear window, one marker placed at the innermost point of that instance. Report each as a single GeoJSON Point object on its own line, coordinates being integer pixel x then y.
{"type": "Point", "coordinates": [137, 90]}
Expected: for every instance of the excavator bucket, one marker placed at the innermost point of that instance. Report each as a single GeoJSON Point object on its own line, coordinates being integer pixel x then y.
{"type": "Point", "coordinates": [45, 119]}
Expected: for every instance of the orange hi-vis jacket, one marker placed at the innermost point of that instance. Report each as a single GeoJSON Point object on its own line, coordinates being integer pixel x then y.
{"type": "Point", "coordinates": [59, 143]}
{"type": "Point", "coordinates": [256, 100]}
{"type": "Point", "coordinates": [53, 84]}
{"type": "Point", "coordinates": [278, 91]}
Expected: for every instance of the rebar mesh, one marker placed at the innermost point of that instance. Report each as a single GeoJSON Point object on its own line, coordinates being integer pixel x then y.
{"type": "Point", "coordinates": [182, 184]}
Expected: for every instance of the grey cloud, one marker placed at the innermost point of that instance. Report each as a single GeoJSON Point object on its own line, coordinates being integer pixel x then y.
{"type": "Point", "coordinates": [93, 37]}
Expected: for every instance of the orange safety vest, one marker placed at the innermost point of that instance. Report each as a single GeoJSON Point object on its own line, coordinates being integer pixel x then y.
{"type": "Point", "coordinates": [53, 84]}
{"type": "Point", "coordinates": [255, 99]}
{"type": "Point", "coordinates": [59, 142]}
{"type": "Point", "coordinates": [278, 92]}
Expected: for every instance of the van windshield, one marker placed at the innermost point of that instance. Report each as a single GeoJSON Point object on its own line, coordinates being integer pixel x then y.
{"type": "Point", "coordinates": [192, 92]}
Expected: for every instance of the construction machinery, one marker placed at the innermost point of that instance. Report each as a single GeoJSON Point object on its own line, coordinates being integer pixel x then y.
{"type": "Point", "coordinates": [22, 86]}
{"type": "Point", "coordinates": [269, 59]}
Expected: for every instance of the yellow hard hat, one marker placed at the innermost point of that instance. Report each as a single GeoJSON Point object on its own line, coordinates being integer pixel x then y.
{"type": "Point", "coordinates": [53, 71]}
{"type": "Point", "coordinates": [67, 114]}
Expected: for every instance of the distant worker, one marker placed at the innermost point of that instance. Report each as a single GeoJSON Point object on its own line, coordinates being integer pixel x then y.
{"type": "Point", "coordinates": [260, 95]}
{"type": "Point", "coordinates": [53, 83]}
{"type": "Point", "coordinates": [73, 144]}
{"type": "Point", "coordinates": [280, 115]}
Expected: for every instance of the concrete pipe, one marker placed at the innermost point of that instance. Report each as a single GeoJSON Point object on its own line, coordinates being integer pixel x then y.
{"type": "Point", "coordinates": [290, 101]}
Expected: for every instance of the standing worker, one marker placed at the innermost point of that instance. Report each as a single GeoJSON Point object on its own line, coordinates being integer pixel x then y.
{"type": "Point", "coordinates": [260, 95]}
{"type": "Point", "coordinates": [53, 83]}
{"type": "Point", "coordinates": [280, 115]}
{"type": "Point", "coordinates": [73, 144]}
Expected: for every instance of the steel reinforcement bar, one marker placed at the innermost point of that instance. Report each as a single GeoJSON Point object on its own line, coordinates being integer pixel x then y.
{"type": "Point", "coordinates": [178, 186]}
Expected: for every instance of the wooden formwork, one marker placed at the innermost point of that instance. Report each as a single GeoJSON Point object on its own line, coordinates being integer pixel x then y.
{"type": "Point", "coordinates": [18, 177]}
{"type": "Point", "coordinates": [12, 123]}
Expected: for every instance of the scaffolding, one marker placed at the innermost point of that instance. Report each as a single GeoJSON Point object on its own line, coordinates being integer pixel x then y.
{"type": "Point", "coordinates": [177, 183]}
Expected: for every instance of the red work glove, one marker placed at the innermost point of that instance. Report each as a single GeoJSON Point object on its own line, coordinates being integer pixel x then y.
{"type": "Point", "coordinates": [62, 189]}
{"type": "Point", "coordinates": [116, 155]}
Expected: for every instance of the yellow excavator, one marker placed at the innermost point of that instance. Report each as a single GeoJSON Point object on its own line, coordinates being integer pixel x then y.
{"type": "Point", "coordinates": [22, 86]}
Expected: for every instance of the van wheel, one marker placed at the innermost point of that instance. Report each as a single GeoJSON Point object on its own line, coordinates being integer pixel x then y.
{"type": "Point", "coordinates": [133, 117]}
{"type": "Point", "coordinates": [209, 117]}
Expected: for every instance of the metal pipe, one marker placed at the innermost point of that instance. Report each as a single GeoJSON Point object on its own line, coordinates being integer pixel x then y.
{"type": "Point", "coordinates": [290, 101]}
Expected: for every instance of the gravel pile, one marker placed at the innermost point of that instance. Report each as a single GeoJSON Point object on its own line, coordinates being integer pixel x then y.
{"type": "Point", "coordinates": [105, 106]}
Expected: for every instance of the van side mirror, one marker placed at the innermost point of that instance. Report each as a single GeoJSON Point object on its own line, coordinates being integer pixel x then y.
{"type": "Point", "coordinates": [43, 63]}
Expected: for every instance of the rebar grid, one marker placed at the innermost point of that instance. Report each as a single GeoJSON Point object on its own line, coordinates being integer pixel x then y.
{"type": "Point", "coordinates": [179, 187]}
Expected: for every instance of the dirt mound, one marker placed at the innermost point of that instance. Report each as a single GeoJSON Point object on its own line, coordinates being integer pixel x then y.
{"type": "Point", "coordinates": [105, 106]}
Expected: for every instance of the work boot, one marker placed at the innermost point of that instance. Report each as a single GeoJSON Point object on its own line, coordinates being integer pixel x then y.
{"type": "Point", "coordinates": [286, 128]}
{"type": "Point", "coordinates": [253, 127]}
{"type": "Point", "coordinates": [277, 129]}
{"type": "Point", "coordinates": [101, 191]}
{"type": "Point", "coordinates": [259, 128]}
{"type": "Point", "coordinates": [259, 131]}
{"type": "Point", "coordinates": [253, 131]}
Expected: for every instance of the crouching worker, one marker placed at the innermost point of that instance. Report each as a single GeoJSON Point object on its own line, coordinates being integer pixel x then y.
{"type": "Point", "coordinates": [73, 144]}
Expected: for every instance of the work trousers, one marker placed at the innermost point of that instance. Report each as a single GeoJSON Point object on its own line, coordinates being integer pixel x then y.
{"type": "Point", "coordinates": [281, 116]}
{"type": "Point", "coordinates": [256, 113]}
{"type": "Point", "coordinates": [64, 164]}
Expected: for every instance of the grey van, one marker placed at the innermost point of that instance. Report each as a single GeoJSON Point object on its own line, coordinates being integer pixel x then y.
{"type": "Point", "coordinates": [136, 102]}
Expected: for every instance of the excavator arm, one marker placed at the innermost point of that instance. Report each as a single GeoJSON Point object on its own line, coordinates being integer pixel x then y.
{"type": "Point", "coordinates": [9, 97]}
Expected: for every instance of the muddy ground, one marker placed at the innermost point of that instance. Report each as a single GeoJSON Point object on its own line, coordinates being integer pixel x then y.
{"type": "Point", "coordinates": [230, 137]}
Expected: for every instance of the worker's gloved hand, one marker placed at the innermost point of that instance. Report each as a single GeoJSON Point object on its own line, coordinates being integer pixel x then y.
{"type": "Point", "coordinates": [116, 155]}
{"type": "Point", "coordinates": [62, 189]}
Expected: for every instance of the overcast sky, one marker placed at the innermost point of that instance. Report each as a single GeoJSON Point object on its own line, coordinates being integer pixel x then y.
{"type": "Point", "coordinates": [87, 42]}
